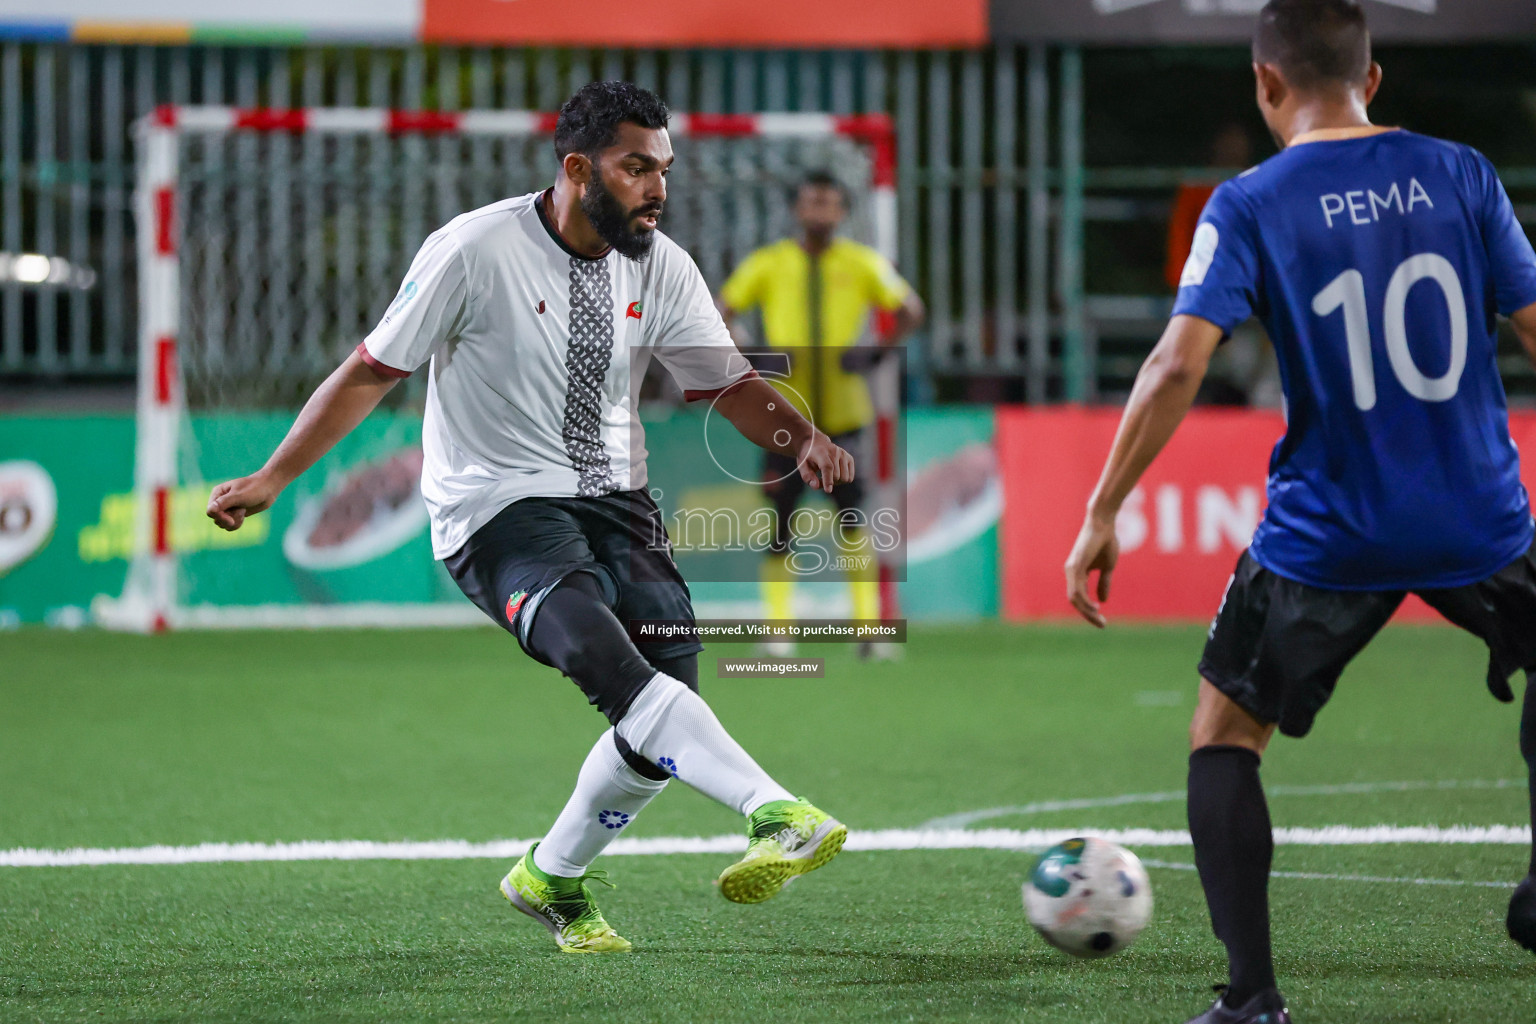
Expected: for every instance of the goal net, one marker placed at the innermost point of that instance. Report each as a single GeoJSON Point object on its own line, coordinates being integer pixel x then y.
{"type": "Point", "coordinates": [270, 242]}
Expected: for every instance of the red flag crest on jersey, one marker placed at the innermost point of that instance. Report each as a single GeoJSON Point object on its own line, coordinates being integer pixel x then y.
{"type": "Point", "coordinates": [634, 310]}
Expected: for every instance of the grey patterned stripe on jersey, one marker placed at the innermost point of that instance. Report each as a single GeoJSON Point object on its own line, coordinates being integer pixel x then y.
{"type": "Point", "coordinates": [586, 365]}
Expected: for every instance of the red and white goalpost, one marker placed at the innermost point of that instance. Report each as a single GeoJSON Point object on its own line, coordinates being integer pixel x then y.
{"type": "Point", "coordinates": [301, 221]}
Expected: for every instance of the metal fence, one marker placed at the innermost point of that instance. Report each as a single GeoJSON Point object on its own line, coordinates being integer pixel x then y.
{"type": "Point", "coordinates": [993, 194]}
{"type": "Point", "coordinates": [66, 162]}
{"type": "Point", "coordinates": [291, 240]}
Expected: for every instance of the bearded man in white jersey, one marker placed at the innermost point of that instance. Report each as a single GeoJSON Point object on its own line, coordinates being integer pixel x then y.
{"type": "Point", "coordinates": [537, 317]}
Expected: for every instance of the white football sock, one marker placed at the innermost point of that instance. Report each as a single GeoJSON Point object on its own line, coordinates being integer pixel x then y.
{"type": "Point", "coordinates": [609, 793]}
{"type": "Point", "coordinates": [673, 727]}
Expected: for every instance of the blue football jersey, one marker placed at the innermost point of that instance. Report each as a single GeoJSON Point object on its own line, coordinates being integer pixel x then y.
{"type": "Point", "coordinates": [1377, 265]}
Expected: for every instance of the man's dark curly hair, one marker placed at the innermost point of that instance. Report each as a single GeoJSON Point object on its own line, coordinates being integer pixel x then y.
{"type": "Point", "coordinates": [589, 121]}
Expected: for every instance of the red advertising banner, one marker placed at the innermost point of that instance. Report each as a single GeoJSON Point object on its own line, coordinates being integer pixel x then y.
{"type": "Point", "coordinates": [805, 23]}
{"type": "Point", "coordinates": [1183, 528]}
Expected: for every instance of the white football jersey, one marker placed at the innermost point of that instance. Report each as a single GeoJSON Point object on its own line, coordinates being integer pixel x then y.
{"type": "Point", "coordinates": [537, 354]}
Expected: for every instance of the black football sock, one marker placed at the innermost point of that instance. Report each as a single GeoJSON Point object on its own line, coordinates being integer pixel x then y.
{"type": "Point", "coordinates": [1528, 747]}
{"type": "Point", "coordinates": [1234, 845]}
{"type": "Point", "coordinates": [1521, 921]}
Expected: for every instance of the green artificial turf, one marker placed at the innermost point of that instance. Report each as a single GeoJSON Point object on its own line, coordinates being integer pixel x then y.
{"type": "Point", "coordinates": [112, 741]}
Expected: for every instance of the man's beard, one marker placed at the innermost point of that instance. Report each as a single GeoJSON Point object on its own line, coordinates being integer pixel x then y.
{"type": "Point", "coordinates": [611, 221]}
{"type": "Point", "coordinates": [820, 235]}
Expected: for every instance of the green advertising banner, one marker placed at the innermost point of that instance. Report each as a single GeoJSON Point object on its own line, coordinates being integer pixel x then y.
{"type": "Point", "coordinates": [55, 477]}
{"type": "Point", "coordinates": [954, 501]}
{"type": "Point", "coordinates": [353, 528]}
{"type": "Point", "coordinates": [706, 478]}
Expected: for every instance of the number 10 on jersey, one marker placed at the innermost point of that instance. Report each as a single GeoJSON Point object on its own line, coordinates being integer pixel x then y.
{"type": "Point", "coordinates": [1347, 291]}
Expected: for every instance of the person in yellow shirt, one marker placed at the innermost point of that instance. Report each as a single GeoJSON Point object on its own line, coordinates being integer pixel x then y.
{"type": "Point", "coordinates": [816, 292]}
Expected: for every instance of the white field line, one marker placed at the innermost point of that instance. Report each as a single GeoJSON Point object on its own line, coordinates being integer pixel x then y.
{"type": "Point", "coordinates": [1313, 876]}
{"type": "Point", "coordinates": [965, 819]}
{"type": "Point", "coordinates": [885, 839]}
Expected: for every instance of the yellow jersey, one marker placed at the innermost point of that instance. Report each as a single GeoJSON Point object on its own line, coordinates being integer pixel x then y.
{"type": "Point", "coordinates": [817, 306]}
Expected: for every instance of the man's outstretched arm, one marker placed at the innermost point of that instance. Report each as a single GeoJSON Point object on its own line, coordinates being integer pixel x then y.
{"type": "Point", "coordinates": [756, 408]}
{"type": "Point", "coordinates": [339, 404]}
{"type": "Point", "coordinates": [1164, 391]}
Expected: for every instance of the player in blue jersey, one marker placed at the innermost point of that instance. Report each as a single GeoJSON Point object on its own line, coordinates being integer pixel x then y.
{"type": "Point", "coordinates": [1377, 260]}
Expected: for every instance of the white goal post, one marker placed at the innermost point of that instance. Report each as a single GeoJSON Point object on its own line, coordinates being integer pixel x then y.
{"type": "Point", "coordinates": [266, 236]}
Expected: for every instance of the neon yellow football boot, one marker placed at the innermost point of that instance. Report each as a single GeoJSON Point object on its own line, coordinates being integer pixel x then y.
{"type": "Point", "coordinates": [564, 906]}
{"type": "Point", "coordinates": [787, 838]}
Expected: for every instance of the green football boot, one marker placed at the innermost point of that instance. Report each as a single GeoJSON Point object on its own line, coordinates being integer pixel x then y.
{"type": "Point", "coordinates": [564, 906]}
{"type": "Point", "coordinates": [788, 839]}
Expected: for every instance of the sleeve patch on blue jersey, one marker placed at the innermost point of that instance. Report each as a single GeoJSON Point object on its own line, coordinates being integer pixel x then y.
{"type": "Point", "coordinates": [1201, 252]}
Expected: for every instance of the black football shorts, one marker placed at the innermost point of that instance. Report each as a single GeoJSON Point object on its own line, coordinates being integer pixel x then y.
{"type": "Point", "coordinates": [1277, 647]}
{"type": "Point", "coordinates": [512, 563]}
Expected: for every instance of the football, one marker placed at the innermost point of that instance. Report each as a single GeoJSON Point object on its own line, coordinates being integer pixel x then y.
{"type": "Point", "coordinates": [1088, 897]}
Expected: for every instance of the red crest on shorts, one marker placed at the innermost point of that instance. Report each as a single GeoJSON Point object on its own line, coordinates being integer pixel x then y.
{"type": "Point", "coordinates": [515, 602]}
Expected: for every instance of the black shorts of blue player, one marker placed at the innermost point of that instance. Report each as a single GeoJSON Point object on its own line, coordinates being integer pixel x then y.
{"type": "Point", "coordinates": [1277, 647]}
{"type": "Point", "coordinates": [512, 563]}
{"type": "Point", "coordinates": [783, 487]}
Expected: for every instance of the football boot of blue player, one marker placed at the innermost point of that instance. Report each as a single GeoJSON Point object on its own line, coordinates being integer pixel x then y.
{"type": "Point", "coordinates": [1268, 1007]}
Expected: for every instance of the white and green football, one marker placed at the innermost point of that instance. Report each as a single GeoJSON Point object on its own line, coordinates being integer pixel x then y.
{"type": "Point", "coordinates": [1088, 897]}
